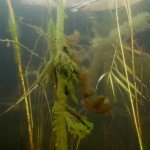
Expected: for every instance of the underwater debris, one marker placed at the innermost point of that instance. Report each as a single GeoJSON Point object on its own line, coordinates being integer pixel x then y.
{"type": "Point", "coordinates": [99, 104]}
{"type": "Point", "coordinates": [82, 5]}
{"type": "Point", "coordinates": [84, 83]}
{"type": "Point", "coordinates": [73, 38]}
{"type": "Point", "coordinates": [93, 102]}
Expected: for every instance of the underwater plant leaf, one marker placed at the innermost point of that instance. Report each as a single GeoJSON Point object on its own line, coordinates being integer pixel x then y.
{"type": "Point", "coordinates": [15, 36]}
{"type": "Point", "coordinates": [74, 77]}
{"type": "Point", "coordinates": [30, 90]}
{"type": "Point", "coordinates": [60, 126]}
{"type": "Point", "coordinates": [75, 127]}
{"type": "Point", "coordinates": [124, 79]}
{"type": "Point", "coordinates": [64, 64]}
{"type": "Point", "coordinates": [72, 92]}
{"type": "Point", "coordinates": [48, 70]}
{"type": "Point", "coordinates": [136, 51]}
{"type": "Point", "coordinates": [51, 36]}
{"type": "Point", "coordinates": [62, 60]}
{"type": "Point", "coordinates": [120, 83]}
{"type": "Point", "coordinates": [112, 84]}
{"type": "Point", "coordinates": [130, 71]}
{"type": "Point", "coordinates": [37, 29]}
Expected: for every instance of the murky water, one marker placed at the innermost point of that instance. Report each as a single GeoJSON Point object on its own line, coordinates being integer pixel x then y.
{"type": "Point", "coordinates": [110, 43]}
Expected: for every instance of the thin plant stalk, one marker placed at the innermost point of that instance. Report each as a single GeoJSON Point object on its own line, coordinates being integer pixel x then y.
{"type": "Point", "coordinates": [127, 77]}
{"type": "Point", "coordinates": [60, 125]}
{"type": "Point", "coordinates": [129, 14]}
{"type": "Point", "coordinates": [14, 34]}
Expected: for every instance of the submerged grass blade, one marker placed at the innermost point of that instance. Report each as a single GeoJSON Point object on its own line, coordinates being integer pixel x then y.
{"type": "Point", "coordinates": [112, 84]}
{"type": "Point", "coordinates": [14, 34]}
{"type": "Point", "coordinates": [129, 70]}
{"type": "Point", "coordinates": [134, 113]}
{"type": "Point", "coordinates": [29, 91]}
{"type": "Point", "coordinates": [125, 87]}
{"type": "Point", "coordinates": [125, 80]}
{"type": "Point", "coordinates": [137, 119]}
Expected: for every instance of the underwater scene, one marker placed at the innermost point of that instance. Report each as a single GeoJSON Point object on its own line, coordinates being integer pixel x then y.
{"type": "Point", "coordinates": [74, 75]}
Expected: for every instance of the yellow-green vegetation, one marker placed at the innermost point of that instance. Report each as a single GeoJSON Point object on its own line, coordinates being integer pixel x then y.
{"type": "Point", "coordinates": [119, 61]}
{"type": "Point", "coordinates": [64, 76]}
{"type": "Point", "coordinates": [62, 72]}
{"type": "Point", "coordinates": [15, 36]}
{"type": "Point", "coordinates": [60, 79]}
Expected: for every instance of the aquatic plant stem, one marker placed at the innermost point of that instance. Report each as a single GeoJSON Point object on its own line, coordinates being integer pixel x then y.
{"type": "Point", "coordinates": [129, 14]}
{"type": "Point", "coordinates": [127, 77]}
{"type": "Point", "coordinates": [14, 34]}
{"type": "Point", "coordinates": [78, 142]}
{"type": "Point", "coordinates": [60, 126]}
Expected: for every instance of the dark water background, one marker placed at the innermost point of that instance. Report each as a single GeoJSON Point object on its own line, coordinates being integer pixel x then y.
{"type": "Point", "coordinates": [115, 132]}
